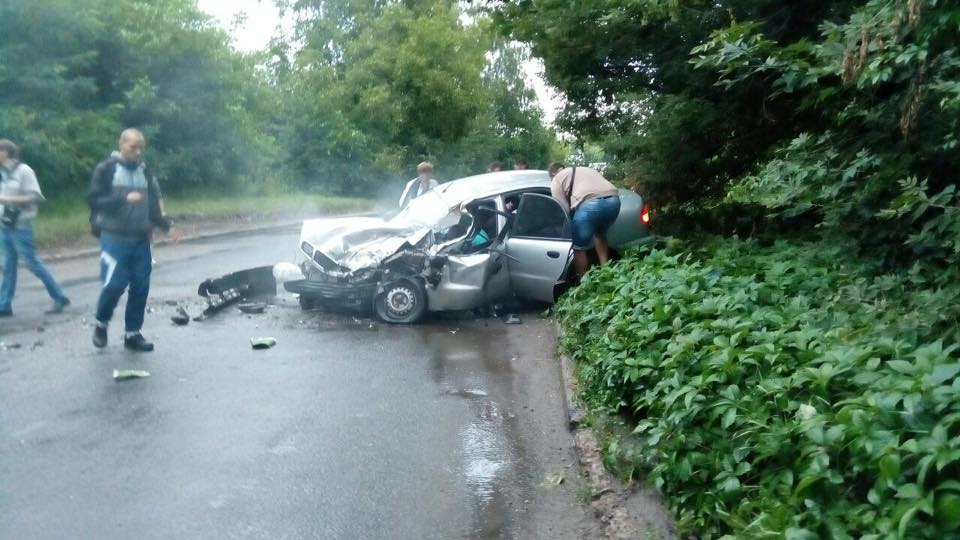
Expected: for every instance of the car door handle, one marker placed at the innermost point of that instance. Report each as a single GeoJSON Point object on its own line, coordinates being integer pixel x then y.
{"type": "Point", "coordinates": [553, 254]}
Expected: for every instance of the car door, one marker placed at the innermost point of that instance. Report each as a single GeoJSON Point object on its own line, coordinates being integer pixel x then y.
{"type": "Point", "coordinates": [538, 247]}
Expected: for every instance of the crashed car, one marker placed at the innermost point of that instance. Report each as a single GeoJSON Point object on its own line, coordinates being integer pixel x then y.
{"type": "Point", "coordinates": [466, 244]}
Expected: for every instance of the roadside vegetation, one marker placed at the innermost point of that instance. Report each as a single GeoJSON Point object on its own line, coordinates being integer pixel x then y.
{"type": "Point", "coordinates": [785, 363]}
{"type": "Point", "coordinates": [777, 391]}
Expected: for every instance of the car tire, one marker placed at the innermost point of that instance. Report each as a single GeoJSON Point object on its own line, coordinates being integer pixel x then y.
{"type": "Point", "coordinates": [403, 301]}
{"type": "Point", "coordinates": [308, 303]}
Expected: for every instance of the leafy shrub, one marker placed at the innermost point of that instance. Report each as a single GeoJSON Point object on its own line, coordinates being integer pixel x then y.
{"type": "Point", "coordinates": [874, 102]}
{"type": "Point", "coordinates": [782, 391]}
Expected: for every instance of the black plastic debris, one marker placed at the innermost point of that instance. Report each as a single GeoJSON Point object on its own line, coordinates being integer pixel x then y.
{"type": "Point", "coordinates": [253, 308]}
{"type": "Point", "coordinates": [227, 290]}
{"type": "Point", "coordinates": [182, 318]}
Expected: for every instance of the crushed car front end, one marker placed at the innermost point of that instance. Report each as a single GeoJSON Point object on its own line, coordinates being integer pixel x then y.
{"type": "Point", "coordinates": [400, 267]}
{"type": "Point", "coordinates": [348, 262]}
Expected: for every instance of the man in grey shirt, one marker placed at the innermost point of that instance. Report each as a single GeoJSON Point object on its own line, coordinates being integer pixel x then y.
{"type": "Point", "coordinates": [19, 196]}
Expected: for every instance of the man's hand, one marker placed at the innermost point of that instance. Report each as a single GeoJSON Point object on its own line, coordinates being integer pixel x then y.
{"type": "Point", "coordinates": [134, 197]}
{"type": "Point", "coordinates": [174, 235]}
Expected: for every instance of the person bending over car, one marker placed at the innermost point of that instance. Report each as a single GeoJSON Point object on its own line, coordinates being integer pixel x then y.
{"type": "Point", "coordinates": [593, 203]}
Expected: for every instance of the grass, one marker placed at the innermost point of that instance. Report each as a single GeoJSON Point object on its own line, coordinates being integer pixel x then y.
{"type": "Point", "coordinates": [63, 222]}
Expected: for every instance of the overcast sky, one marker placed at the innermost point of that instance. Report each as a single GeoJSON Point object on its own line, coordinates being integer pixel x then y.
{"type": "Point", "coordinates": [262, 20]}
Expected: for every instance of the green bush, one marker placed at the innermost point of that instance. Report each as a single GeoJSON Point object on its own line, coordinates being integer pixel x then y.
{"type": "Point", "coordinates": [779, 392]}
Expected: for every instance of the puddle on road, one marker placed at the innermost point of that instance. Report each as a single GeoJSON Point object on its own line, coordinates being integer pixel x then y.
{"type": "Point", "coordinates": [467, 393]}
{"type": "Point", "coordinates": [484, 458]}
{"type": "Point", "coordinates": [471, 365]}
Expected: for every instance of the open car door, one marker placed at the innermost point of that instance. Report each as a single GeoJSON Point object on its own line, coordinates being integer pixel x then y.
{"type": "Point", "coordinates": [539, 247]}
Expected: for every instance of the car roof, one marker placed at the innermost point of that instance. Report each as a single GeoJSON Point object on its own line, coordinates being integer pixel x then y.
{"type": "Point", "coordinates": [490, 184]}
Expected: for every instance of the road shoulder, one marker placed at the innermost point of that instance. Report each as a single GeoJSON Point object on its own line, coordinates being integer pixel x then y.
{"type": "Point", "coordinates": [628, 512]}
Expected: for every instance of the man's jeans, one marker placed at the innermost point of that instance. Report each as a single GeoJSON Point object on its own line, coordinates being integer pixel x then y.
{"type": "Point", "coordinates": [124, 262]}
{"type": "Point", "coordinates": [18, 242]}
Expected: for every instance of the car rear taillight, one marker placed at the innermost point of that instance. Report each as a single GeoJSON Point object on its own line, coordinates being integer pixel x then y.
{"type": "Point", "coordinates": [645, 214]}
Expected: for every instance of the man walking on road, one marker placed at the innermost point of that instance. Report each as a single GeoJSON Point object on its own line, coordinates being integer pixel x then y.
{"type": "Point", "coordinates": [423, 183]}
{"type": "Point", "coordinates": [20, 196]}
{"type": "Point", "coordinates": [594, 204]}
{"type": "Point", "coordinates": [125, 201]}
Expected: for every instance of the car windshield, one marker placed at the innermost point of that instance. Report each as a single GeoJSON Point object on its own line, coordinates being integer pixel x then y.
{"type": "Point", "coordinates": [428, 210]}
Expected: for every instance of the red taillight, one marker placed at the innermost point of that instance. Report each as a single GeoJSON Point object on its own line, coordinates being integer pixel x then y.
{"type": "Point", "coordinates": [645, 214]}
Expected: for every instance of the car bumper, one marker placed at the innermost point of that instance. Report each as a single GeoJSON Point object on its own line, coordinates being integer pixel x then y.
{"type": "Point", "coordinates": [350, 294]}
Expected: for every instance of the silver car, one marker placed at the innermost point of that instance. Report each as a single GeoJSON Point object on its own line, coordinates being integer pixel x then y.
{"type": "Point", "coordinates": [466, 244]}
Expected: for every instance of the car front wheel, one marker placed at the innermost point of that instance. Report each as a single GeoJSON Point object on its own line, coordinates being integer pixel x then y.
{"type": "Point", "coordinates": [309, 303]}
{"type": "Point", "coordinates": [403, 301]}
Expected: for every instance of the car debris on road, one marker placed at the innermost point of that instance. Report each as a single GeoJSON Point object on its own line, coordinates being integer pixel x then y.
{"type": "Point", "coordinates": [262, 343]}
{"type": "Point", "coordinates": [128, 374]}
{"type": "Point", "coordinates": [232, 288]}
{"type": "Point", "coordinates": [182, 318]}
{"type": "Point", "coordinates": [253, 308]}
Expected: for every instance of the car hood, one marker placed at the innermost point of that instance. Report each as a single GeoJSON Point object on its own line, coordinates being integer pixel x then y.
{"type": "Point", "coordinates": [355, 243]}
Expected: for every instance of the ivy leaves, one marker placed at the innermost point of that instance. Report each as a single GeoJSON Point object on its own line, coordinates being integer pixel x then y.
{"type": "Point", "coordinates": [780, 392]}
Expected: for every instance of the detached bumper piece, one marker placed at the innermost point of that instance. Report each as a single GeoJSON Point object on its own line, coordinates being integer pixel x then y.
{"type": "Point", "coordinates": [231, 288]}
{"type": "Point", "coordinates": [349, 294]}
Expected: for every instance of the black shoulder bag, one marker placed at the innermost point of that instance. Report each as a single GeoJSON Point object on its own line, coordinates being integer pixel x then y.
{"type": "Point", "coordinates": [11, 213]}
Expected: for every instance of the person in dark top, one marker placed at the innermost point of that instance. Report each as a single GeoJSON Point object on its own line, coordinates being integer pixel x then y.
{"type": "Point", "coordinates": [125, 204]}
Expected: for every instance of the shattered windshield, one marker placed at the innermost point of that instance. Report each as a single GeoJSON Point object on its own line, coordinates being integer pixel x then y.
{"type": "Point", "coordinates": [428, 210]}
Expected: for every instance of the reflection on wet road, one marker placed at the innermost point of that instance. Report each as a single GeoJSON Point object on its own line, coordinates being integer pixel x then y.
{"type": "Point", "coordinates": [349, 428]}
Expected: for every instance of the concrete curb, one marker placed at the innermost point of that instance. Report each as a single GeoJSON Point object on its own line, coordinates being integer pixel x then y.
{"type": "Point", "coordinates": [92, 252]}
{"type": "Point", "coordinates": [620, 507]}
{"type": "Point", "coordinates": [83, 253]}
{"type": "Point", "coordinates": [274, 227]}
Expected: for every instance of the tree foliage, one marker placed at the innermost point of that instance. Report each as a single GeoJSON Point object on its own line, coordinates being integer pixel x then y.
{"type": "Point", "coordinates": [845, 112]}
{"type": "Point", "coordinates": [878, 159]}
{"type": "Point", "coordinates": [75, 72]}
{"type": "Point", "coordinates": [379, 86]}
{"type": "Point", "coordinates": [354, 98]}
{"type": "Point", "coordinates": [624, 68]}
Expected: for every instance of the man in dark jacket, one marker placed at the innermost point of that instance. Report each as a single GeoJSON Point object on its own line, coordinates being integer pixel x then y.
{"type": "Point", "coordinates": [125, 202]}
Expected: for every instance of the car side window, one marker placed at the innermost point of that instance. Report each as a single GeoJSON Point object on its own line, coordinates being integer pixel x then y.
{"type": "Point", "coordinates": [539, 216]}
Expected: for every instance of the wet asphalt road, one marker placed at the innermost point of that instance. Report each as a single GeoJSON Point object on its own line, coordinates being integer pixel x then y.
{"type": "Point", "coordinates": [349, 428]}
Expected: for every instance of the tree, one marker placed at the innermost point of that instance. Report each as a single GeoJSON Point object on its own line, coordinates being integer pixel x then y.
{"type": "Point", "coordinates": [75, 72]}
{"type": "Point", "coordinates": [624, 68]}
{"type": "Point", "coordinates": [380, 86]}
{"type": "Point", "coordinates": [878, 156]}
